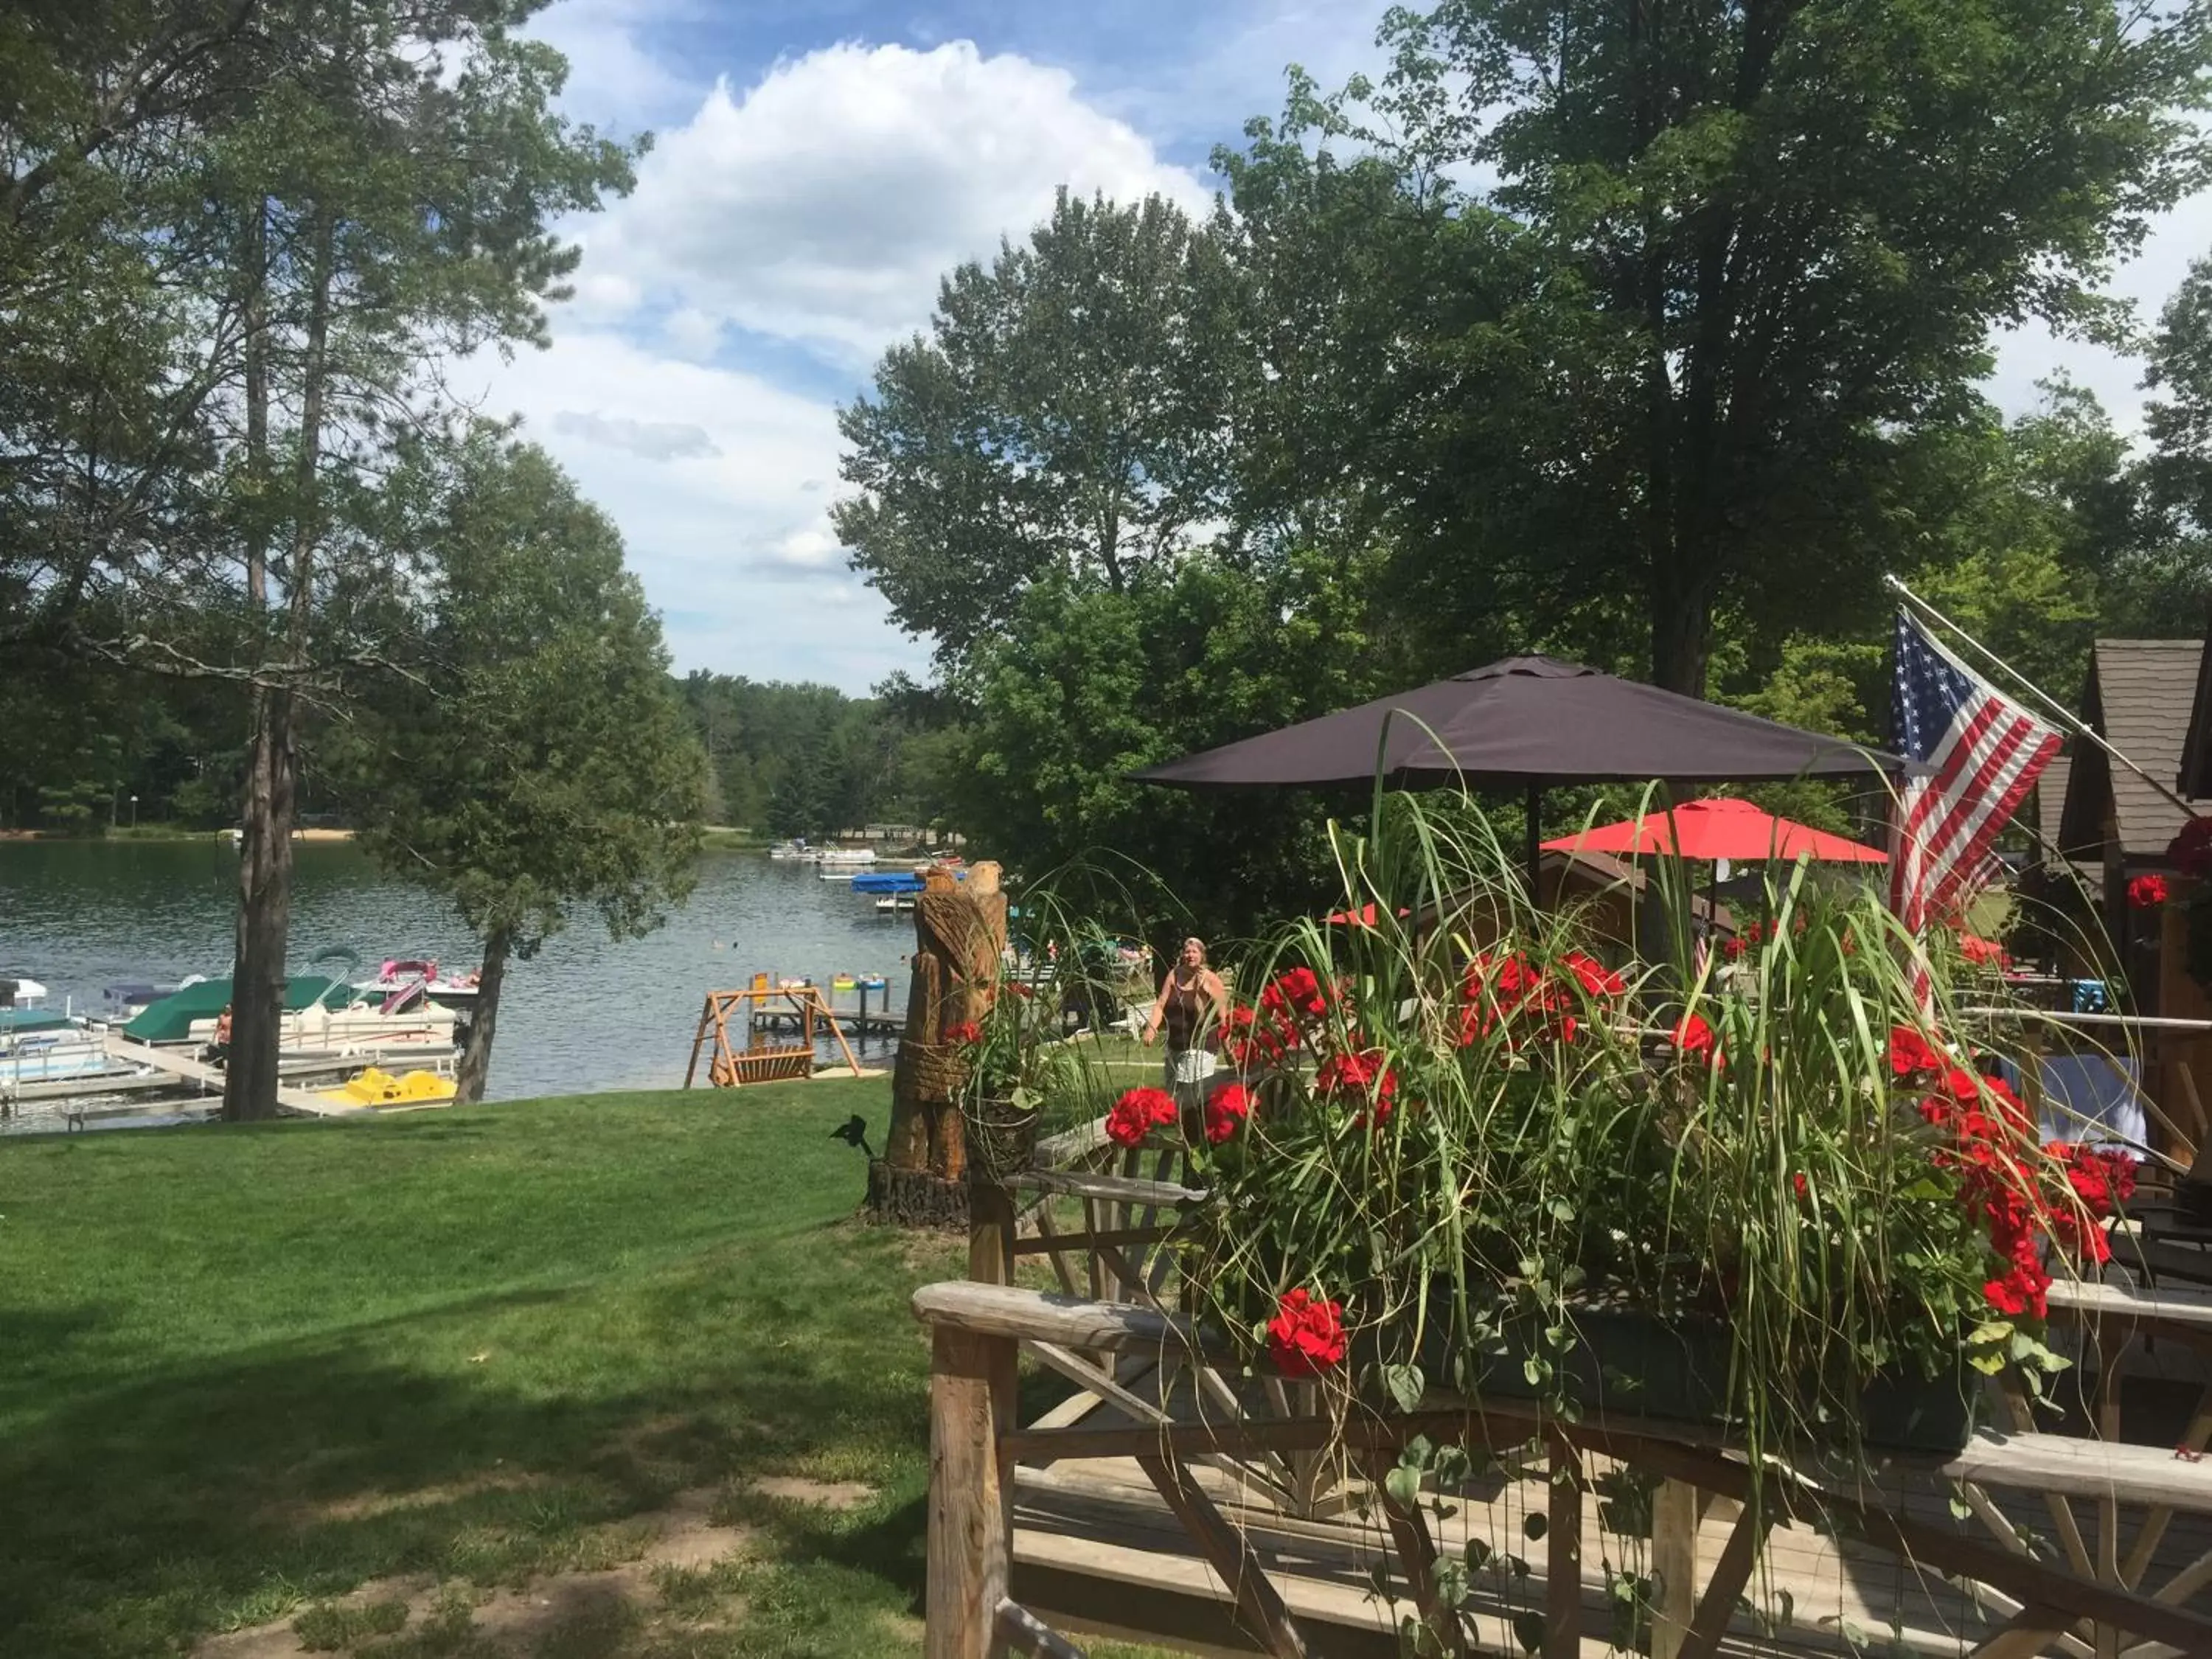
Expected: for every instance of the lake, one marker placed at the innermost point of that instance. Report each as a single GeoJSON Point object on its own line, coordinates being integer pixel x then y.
{"type": "Point", "coordinates": [585, 1013]}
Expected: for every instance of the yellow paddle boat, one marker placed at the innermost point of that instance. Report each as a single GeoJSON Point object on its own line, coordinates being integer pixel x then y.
{"type": "Point", "coordinates": [374, 1087]}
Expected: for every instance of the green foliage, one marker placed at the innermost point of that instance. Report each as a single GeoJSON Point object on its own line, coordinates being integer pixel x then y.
{"type": "Point", "coordinates": [1530, 1169]}
{"type": "Point", "coordinates": [1091, 683]}
{"type": "Point", "coordinates": [537, 761]}
{"type": "Point", "coordinates": [1648, 341]}
{"type": "Point", "coordinates": [807, 760]}
{"type": "Point", "coordinates": [1066, 418]}
{"type": "Point", "coordinates": [1749, 272]}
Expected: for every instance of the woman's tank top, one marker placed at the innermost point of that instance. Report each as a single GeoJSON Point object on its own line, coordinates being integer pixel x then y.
{"type": "Point", "coordinates": [1184, 1004]}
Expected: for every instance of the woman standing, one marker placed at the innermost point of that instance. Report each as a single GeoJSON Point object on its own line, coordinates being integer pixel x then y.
{"type": "Point", "coordinates": [1191, 1005]}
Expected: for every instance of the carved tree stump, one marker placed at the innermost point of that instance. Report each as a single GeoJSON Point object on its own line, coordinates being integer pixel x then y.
{"type": "Point", "coordinates": [960, 934]}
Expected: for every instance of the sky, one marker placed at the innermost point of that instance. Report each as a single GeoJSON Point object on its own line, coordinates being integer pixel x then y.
{"type": "Point", "coordinates": [816, 167]}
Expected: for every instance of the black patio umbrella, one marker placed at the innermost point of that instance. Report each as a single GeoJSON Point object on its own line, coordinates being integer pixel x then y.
{"type": "Point", "coordinates": [1528, 722]}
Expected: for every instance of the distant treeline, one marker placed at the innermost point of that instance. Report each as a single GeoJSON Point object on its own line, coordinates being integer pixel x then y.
{"type": "Point", "coordinates": [790, 760]}
{"type": "Point", "coordinates": [807, 760]}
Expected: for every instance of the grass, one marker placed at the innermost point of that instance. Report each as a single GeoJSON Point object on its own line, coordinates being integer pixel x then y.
{"type": "Point", "coordinates": [246, 1370]}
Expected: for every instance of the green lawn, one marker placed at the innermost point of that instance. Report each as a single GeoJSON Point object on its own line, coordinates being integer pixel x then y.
{"type": "Point", "coordinates": [245, 1371]}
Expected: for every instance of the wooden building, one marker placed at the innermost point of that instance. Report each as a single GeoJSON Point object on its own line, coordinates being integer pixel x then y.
{"type": "Point", "coordinates": [2149, 699]}
{"type": "Point", "coordinates": [2140, 698]}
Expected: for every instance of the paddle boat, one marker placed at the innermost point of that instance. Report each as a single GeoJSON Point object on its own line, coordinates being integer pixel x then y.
{"type": "Point", "coordinates": [377, 1087]}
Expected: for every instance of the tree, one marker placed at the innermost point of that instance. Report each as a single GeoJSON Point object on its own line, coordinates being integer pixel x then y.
{"type": "Point", "coordinates": [1090, 685]}
{"type": "Point", "coordinates": [1067, 415]}
{"type": "Point", "coordinates": [385, 197]}
{"type": "Point", "coordinates": [538, 764]}
{"type": "Point", "coordinates": [1730, 264]}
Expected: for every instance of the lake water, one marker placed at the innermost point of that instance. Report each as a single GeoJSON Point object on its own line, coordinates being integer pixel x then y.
{"type": "Point", "coordinates": [585, 1013]}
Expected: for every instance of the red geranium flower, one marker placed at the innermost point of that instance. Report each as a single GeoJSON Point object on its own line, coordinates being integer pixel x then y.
{"type": "Point", "coordinates": [1593, 975]}
{"type": "Point", "coordinates": [1306, 1335]}
{"type": "Point", "coordinates": [1360, 1077]}
{"type": "Point", "coordinates": [1695, 1040]}
{"type": "Point", "coordinates": [1137, 1114]}
{"type": "Point", "coordinates": [1515, 986]}
{"type": "Point", "coordinates": [1297, 992]}
{"type": "Point", "coordinates": [1226, 1108]}
{"type": "Point", "coordinates": [2102, 1178]}
{"type": "Point", "coordinates": [1984, 952]}
{"type": "Point", "coordinates": [2146, 892]}
{"type": "Point", "coordinates": [1251, 1041]}
{"type": "Point", "coordinates": [1910, 1054]}
{"type": "Point", "coordinates": [967, 1032]}
{"type": "Point", "coordinates": [1734, 948]}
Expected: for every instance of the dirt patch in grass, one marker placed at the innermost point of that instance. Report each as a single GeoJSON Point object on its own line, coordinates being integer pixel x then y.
{"type": "Point", "coordinates": [363, 1506]}
{"type": "Point", "coordinates": [543, 1617]}
{"type": "Point", "coordinates": [830, 1494]}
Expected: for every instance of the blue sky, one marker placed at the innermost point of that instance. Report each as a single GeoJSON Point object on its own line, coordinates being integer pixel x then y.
{"type": "Point", "coordinates": [816, 167]}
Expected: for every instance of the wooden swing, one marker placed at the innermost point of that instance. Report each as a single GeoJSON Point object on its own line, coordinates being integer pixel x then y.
{"type": "Point", "coordinates": [758, 1061]}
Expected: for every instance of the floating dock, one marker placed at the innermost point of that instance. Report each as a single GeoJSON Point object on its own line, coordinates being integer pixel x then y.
{"type": "Point", "coordinates": [853, 1022]}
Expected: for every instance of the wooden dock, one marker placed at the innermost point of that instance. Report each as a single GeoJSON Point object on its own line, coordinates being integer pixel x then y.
{"type": "Point", "coordinates": [181, 1066]}
{"type": "Point", "coordinates": [784, 1022]}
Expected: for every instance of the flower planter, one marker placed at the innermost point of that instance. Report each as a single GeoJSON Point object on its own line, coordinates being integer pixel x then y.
{"type": "Point", "coordinates": [1002, 1137]}
{"type": "Point", "coordinates": [1634, 1363]}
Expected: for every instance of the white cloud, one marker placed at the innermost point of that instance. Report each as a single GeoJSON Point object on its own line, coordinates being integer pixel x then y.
{"type": "Point", "coordinates": [615, 81]}
{"type": "Point", "coordinates": [824, 205]}
{"type": "Point", "coordinates": [714, 478]}
{"type": "Point", "coordinates": [655, 441]}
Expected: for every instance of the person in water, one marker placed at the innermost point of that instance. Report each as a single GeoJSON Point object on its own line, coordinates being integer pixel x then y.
{"type": "Point", "coordinates": [1191, 1006]}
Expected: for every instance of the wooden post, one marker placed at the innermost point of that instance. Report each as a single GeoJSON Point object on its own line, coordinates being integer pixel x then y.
{"type": "Point", "coordinates": [990, 1233]}
{"type": "Point", "coordinates": [960, 931]}
{"type": "Point", "coordinates": [1563, 1569]}
{"type": "Point", "coordinates": [1674, 1513]}
{"type": "Point", "coordinates": [971, 1402]}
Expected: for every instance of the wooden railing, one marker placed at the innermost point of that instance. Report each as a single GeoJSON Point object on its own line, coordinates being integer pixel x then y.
{"type": "Point", "coordinates": [2086, 1605]}
{"type": "Point", "coordinates": [1230, 1458]}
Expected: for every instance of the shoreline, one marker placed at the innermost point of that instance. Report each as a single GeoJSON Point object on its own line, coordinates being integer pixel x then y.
{"type": "Point", "coordinates": [148, 832]}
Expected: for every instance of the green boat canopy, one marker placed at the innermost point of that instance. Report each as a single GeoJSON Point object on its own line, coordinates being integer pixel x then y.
{"type": "Point", "coordinates": [15, 1022]}
{"type": "Point", "coordinates": [170, 1020]}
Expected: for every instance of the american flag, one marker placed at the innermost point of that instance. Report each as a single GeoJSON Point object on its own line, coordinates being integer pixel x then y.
{"type": "Point", "coordinates": [1985, 752]}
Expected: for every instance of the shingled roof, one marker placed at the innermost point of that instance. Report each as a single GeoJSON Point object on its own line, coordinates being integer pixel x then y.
{"type": "Point", "coordinates": [2050, 800]}
{"type": "Point", "coordinates": [2140, 697]}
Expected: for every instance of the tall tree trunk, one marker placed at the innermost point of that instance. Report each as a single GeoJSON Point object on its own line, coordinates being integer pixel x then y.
{"type": "Point", "coordinates": [1681, 629]}
{"type": "Point", "coordinates": [483, 1023]}
{"type": "Point", "coordinates": [265, 917]}
{"type": "Point", "coordinates": [257, 1000]}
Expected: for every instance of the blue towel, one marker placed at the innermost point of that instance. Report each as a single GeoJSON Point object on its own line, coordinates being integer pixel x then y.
{"type": "Point", "coordinates": [2091, 1097]}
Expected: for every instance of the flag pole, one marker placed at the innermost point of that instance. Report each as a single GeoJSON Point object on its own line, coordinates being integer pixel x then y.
{"type": "Point", "coordinates": [2065, 717]}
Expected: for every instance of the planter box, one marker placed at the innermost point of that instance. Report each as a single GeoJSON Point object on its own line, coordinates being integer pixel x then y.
{"type": "Point", "coordinates": [1634, 1363]}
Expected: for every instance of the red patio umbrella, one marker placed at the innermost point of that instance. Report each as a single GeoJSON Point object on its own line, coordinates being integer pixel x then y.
{"type": "Point", "coordinates": [1363, 917]}
{"type": "Point", "coordinates": [1720, 828]}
